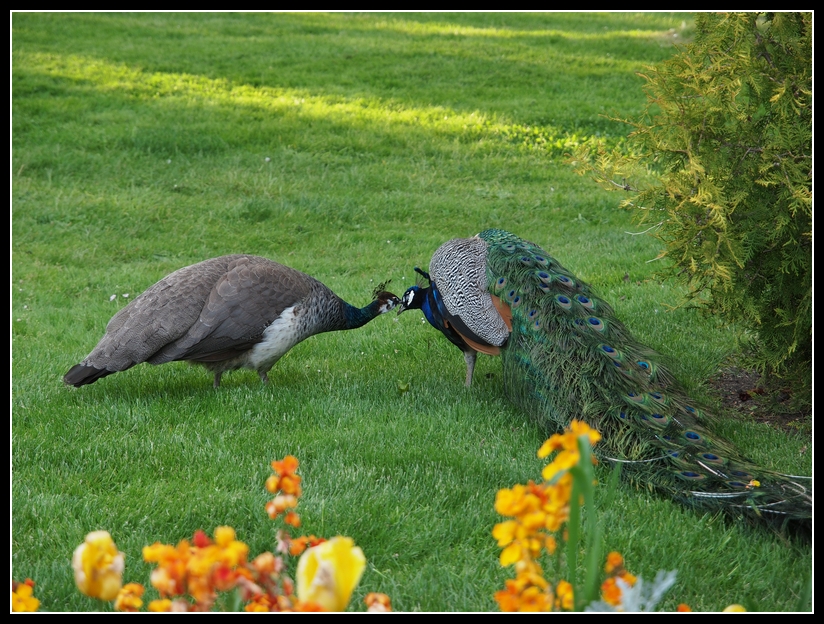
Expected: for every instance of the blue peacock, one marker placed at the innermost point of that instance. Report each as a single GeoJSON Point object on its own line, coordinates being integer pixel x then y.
{"type": "Point", "coordinates": [566, 356]}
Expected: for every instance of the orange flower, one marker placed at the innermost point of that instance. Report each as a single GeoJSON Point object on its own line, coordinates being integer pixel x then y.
{"type": "Point", "coordinates": [284, 480]}
{"type": "Point", "coordinates": [523, 594]}
{"type": "Point", "coordinates": [286, 466]}
{"type": "Point", "coordinates": [564, 596]}
{"type": "Point", "coordinates": [614, 560]}
{"type": "Point", "coordinates": [509, 599]}
{"type": "Point", "coordinates": [279, 504]}
{"type": "Point", "coordinates": [377, 602]}
{"type": "Point", "coordinates": [169, 578]}
{"type": "Point", "coordinates": [683, 608]}
{"type": "Point", "coordinates": [299, 544]}
{"type": "Point", "coordinates": [610, 592]}
{"type": "Point", "coordinates": [261, 604]}
{"type": "Point", "coordinates": [265, 563]}
{"type": "Point", "coordinates": [290, 484]}
{"type": "Point", "coordinates": [129, 598]}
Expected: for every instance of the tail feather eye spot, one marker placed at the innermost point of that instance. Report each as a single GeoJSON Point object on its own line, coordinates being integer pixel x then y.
{"type": "Point", "coordinates": [596, 323]}
{"type": "Point", "coordinates": [585, 301]}
{"type": "Point", "coordinates": [691, 475]}
{"type": "Point", "coordinates": [635, 398]}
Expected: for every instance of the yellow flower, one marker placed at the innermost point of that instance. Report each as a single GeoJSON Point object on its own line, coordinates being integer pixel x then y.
{"type": "Point", "coordinates": [735, 608]}
{"type": "Point", "coordinates": [327, 574]}
{"type": "Point", "coordinates": [98, 566]}
{"type": "Point", "coordinates": [569, 439]}
{"type": "Point", "coordinates": [22, 597]}
{"type": "Point", "coordinates": [505, 532]}
{"type": "Point", "coordinates": [579, 428]}
{"type": "Point", "coordinates": [232, 552]}
{"type": "Point", "coordinates": [160, 606]}
{"type": "Point", "coordinates": [511, 554]}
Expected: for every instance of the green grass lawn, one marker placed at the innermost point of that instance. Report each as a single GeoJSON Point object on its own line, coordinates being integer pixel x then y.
{"type": "Point", "coordinates": [348, 146]}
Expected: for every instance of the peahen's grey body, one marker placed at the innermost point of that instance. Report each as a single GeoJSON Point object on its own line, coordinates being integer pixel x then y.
{"type": "Point", "coordinates": [566, 356]}
{"type": "Point", "coordinates": [231, 312]}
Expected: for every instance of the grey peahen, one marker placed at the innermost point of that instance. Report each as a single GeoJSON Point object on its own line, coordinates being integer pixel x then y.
{"type": "Point", "coordinates": [566, 356]}
{"type": "Point", "coordinates": [225, 313]}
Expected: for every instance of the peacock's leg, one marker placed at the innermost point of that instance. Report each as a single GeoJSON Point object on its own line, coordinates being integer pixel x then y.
{"type": "Point", "coordinates": [470, 356]}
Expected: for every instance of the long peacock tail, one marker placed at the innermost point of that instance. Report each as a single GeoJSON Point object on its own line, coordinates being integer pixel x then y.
{"type": "Point", "coordinates": [568, 356]}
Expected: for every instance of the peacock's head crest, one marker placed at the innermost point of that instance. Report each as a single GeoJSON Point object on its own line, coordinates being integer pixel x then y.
{"type": "Point", "coordinates": [423, 276]}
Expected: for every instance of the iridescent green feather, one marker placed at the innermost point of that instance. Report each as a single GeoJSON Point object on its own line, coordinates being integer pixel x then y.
{"type": "Point", "coordinates": [568, 357]}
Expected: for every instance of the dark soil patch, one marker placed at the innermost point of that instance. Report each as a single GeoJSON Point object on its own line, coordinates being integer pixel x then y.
{"type": "Point", "coordinates": [740, 391]}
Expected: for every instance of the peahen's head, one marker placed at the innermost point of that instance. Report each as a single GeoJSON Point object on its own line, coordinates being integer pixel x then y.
{"type": "Point", "coordinates": [386, 300]}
